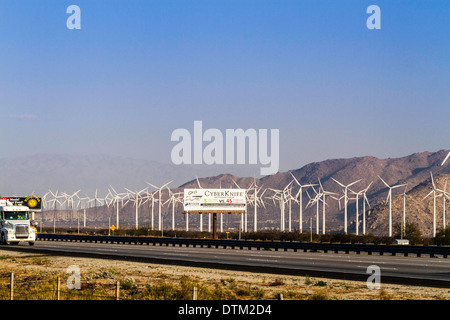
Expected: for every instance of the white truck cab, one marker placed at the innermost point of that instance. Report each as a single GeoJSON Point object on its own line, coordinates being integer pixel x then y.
{"type": "Point", "coordinates": [15, 224]}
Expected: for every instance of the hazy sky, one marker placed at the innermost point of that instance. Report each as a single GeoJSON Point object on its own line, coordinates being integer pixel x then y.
{"type": "Point", "coordinates": [139, 69]}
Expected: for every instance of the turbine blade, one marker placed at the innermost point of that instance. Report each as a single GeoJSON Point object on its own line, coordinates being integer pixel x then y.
{"type": "Point", "coordinates": [384, 182]}
{"type": "Point", "coordinates": [295, 179]}
{"type": "Point", "coordinates": [446, 158]}
{"type": "Point", "coordinates": [337, 182]}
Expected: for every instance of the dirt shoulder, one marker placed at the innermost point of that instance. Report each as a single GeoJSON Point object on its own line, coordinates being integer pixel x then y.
{"type": "Point", "coordinates": [237, 284]}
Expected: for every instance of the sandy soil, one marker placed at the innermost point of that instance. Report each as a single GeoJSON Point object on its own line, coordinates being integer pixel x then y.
{"type": "Point", "coordinates": [291, 287]}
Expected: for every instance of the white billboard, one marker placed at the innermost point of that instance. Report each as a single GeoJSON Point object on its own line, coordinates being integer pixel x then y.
{"type": "Point", "coordinates": [215, 200]}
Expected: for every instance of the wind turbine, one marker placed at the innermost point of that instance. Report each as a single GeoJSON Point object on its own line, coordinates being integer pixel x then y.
{"type": "Point", "coordinates": [256, 200]}
{"type": "Point", "coordinates": [390, 202]}
{"type": "Point", "coordinates": [434, 201]}
{"type": "Point", "coordinates": [444, 196]}
{"type": "Point", "coordinates": [324, 193]}
{"type": "Point", "coordinates": [345, 199]}
{"type": "Point", "coordinates": [243, 215]}
{"type": "Point", "coordinates": [364, 207]}
{"type": "Point", "coordinates": [361, 192]}
{"type": "Point", "coordinates": [54, 200]}
{"type": "Point", "coordinates": [288, 196]}
{"type": "Point", "coordinates": [278, 195]}
{"type": "Point", "coordinates": [282, 197]}
{"type": "Point", "coordinates": [200, 214]}
{"type": "Point", "coordinates": [137, 203]}
{"type": "Point", "coordinates": [300, 196]}
{"type": "Point", "coordinates": [115, 199]}
{"type": "Point", "coordinates": [159, 201]}
{"type": "Point", "coordinates": [173, 199]}
{"type": "Point", "coordinates": [403, 229]}
{"type": "Point", "coordinates": [82, 205]}
{"type": "Point", "coordinates": [151, 195]}
{"type": "Point", "coordinates": [69, 204]}
{"type": "Point", "coordinates": [315, 201]}
{"type": "Point", "coordinates": [320, 196]}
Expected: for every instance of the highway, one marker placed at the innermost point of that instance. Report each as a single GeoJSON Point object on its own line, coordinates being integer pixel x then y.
{"type": "Point", "coordinates": [394, 269]}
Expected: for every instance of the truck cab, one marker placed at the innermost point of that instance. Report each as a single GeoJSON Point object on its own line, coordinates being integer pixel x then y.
{"type": "Point", "coordinates": [15, 224]}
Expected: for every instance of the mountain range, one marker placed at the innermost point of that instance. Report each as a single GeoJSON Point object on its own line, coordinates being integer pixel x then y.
{"type": "Point", "coordinates": [73, 173]}
{"type": "Point", "coordinates": [40, 173]}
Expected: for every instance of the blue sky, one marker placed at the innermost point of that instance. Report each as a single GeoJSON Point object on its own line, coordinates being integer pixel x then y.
{"type": "Point", "coordinates": [137, 70]}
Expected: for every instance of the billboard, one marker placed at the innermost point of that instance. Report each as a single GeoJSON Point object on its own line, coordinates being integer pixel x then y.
{"type": "Point", "coordinates": [215, 200]}
{"type": "Point", "coordinates": [32, 202]}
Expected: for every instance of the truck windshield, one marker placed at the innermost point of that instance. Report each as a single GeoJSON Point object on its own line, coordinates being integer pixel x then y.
{"type": "Point", "coordinates": [15, 215]}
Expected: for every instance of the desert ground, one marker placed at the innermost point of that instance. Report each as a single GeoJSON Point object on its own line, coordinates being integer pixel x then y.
{"type": "Point", "coordinates": [230, 284]}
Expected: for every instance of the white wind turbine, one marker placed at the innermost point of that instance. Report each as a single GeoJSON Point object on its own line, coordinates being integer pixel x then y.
{"type": "Point", "coordinates": [45, 207]}
{"type": "Point", "coordinates": [288, 196]}
{"type": "Point", "coordinates": [249, 199]}
{"type": "Point", "coordinates": [390, 202]}
{"type": "Point", "coordinates": [299, 195]}
{"type": "Point", "coordinates": [444, 198]}
{"type": "Point", "coordinates": [82, 205]}
{"type": "Point", "coordinates": [173, 199]}
{"type": "Point", "coordinates": [435, 195]}
{"type": "Point", "coordinates": [324, 193]}
{"type": "Point", "coordinates": [278, 196]}
{"type": "Point", "coordinates": [364, 206]}
{"type": "Point", "coordinates": [200, 218]}
{"type": "Point", "coordinates": [137, 202]}
{"type": "Point", "coordinates": [403, 228]}
{"type": "Point", "coordinates": [95, 199]}
{"type": "Point", "coordinates": [364, 197]}
{"type": "Point", "coordinates": [115, 200]}
{"type": "Point", "coordinates": [315, 201]}
{"type": "Point", "coordinates": [159, 201]}
{"type": "Point", "coordinates": [70, 203]}
{"type": "Point", "coordinates": [150, 198]}
{"type": "Point", "coordinates": [54, 200]}
{"type": "Point", "coordinates": [200, 214]}
{"type": "Point", "coordinates": [345, 199]}
{"type": "Point", "coordinates": [256, 200]}
{"type": "Point", "coordinates": [282, 197]}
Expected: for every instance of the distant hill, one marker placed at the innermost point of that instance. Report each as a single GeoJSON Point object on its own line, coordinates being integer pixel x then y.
{"type": "Point", "coordinates": [69, 173]}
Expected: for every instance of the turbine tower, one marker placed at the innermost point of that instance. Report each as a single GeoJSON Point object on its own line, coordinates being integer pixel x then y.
{"type": "Point", "coordinates": [137, 203]}
{"type": "Point", "coordinates": [315, 201]}
{"type": "Point", "coordinates": [357, 194]}
{"type": "Point", "coordinates": [345, 199]}
{"type": "Point", "coordinates": [256, 200]}
{"type": "Point", "coordinates": [300, 196]}
{"type": "Point", "coordinates": [159, 201]}
{"type": "Point", "coordinates": [390, 202]}
{"type": "Point", "coordinates": [324, 193]}
{"type": "Point", "coordinates": [443, 194]}
{"type": "Point", "coordinates": [115, 200]}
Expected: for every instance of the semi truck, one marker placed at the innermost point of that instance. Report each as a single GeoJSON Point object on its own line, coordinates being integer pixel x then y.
{"type": "Point", "coordinates": [15, 224]}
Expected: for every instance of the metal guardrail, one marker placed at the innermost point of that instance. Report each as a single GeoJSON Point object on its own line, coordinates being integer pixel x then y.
{"type": "Point", "coordinates": [381, 249]}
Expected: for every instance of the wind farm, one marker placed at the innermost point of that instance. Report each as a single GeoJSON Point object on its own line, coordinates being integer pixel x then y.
{"type": "Point", "coordinates": [274, 203]}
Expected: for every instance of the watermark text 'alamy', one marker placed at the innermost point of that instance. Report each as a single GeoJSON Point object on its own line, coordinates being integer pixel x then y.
{"type": "Point", "coordinates": [231, 149]}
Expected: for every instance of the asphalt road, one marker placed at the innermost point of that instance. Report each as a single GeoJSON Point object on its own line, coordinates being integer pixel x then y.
{"type": "Point", "coordinates": [394, 269]}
